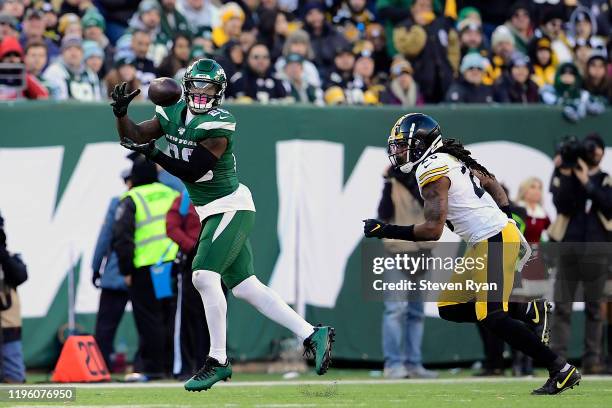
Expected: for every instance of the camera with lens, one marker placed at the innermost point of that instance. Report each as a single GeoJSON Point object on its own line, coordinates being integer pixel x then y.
{"type": "Point", "coordinates": [571, 149]}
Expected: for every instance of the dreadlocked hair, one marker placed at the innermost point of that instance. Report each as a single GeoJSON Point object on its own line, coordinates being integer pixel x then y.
{"type": "Point", "coordinates": [456, 149]}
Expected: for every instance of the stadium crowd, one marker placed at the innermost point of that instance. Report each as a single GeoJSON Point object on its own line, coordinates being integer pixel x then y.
{"type": "Point", "coordinates": [397, 52]}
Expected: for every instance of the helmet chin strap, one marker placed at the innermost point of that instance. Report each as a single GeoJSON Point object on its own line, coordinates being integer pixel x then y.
{"type": "Point", "coordinates": [407, 168]}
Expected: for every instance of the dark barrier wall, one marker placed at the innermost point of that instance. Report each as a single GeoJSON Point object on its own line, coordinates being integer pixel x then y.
{"type": "Point", "coordinates": [74, 125]}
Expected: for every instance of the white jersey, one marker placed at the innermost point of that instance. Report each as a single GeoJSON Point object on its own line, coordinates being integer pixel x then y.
{"type": "Point", "coordinates": [472, 212]}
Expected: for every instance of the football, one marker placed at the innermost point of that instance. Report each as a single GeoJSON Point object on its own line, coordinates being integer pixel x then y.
{"type": "Point", "coordinates": [165, 91]}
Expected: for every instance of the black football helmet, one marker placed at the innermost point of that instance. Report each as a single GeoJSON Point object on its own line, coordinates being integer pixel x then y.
{"type": "Point", "coordinates": [413, 137]}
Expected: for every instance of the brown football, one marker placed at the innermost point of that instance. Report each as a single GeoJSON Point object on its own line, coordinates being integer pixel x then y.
{"type": "Point", "coordinates": [164, 91]}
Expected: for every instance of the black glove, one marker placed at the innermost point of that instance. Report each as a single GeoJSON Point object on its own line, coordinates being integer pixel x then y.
{"type": "Point", "coordinates": [95, 279]}
{"type": "Point", "coordinates": [374, 228]}
{"type": "Point", "coordinates": [148, 149]}
{"type": "Point", "coordinates": [121, 99]}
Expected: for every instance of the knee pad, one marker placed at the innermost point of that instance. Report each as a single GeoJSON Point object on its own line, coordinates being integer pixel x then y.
{"type": "Point", "coordinates": [247, 288]}
{"type": "Point", "coordinates": [203, 280]}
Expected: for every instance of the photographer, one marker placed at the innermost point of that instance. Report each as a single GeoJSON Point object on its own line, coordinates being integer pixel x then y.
{"type": "Point", "coordinates": [12, 274]}
{"type": "Point", "coordinates": [582, 194]}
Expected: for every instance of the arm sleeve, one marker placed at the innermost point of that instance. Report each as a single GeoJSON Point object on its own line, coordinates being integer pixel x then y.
{"type": "Point", "coordinates": [385, 207]}
{"type": "Point", "coordinates": [103, 245]}
{"type": "Point", "coordinates": [123, 235]}
{"type": "Point", "coordinates": [200, 162]}
{"type": "Point", "coordinates": [174, 228]}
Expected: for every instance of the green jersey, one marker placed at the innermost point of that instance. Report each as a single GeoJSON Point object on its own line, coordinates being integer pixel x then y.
{"type": "Point", "coordinates": [183, 131]}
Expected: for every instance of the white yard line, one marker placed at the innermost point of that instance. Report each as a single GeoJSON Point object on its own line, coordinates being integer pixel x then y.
{"type": "Point", "coordinates": [281, 383]}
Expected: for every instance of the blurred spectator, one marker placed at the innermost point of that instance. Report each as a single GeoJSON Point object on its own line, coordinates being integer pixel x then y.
{"type": "Point", "coordinates": [432, 46]}
{"type": "Point", "coordinates": [8, 26]}
{"type": "Point", "coordinates": [529, 197]}
{"type": "Point", "coordinates": [502, 48]}
{"type": "Point", "coordinates": [596, 81]}
{"type": "Point", "coordinates": [106, 276]}
{"type": "Point", "coordinates": [375, 34]}
{"type": "Point", "coordinates": [78, 7]}
{"type": "Point", "coordinates": [93, 55]}
{"type": "Point", "coordinates": [69, 77]}
{"type": "Point", "coordinates": [470, 38]}
{"type": "Point", "coordinates": [324, 37]}
{"type": "Point", "coordinates": [582, 194]}
{"type": "Point", "coordinates": [148, 19]}
{"type": "Point", "coordinates": [13, 272]}
{"type": "Point", "coordinates": [140, 43]}
{"type": "Point", "coordinates": [391, 13]}
{"type": "Point", "coordinates": [274, 30]}
{"type": "Point", "coordinates": [33, 29]}
{"type": "Point", "coordinates": [196, 53]}
{"type": "Point", "coordinates": [516, 86]}
{"type": "Point", "coordinates": [566, 91]}
{"type": "Point", "coordinates": [199, 13]}
{"type": "Point", "coordinates": [298, 42]}
{"type": "Point", "coordinates": [543, 60]}
{"type": "Point", "coordinates": [301, 91]}
{"type": "Point", "coordinates": [15, 8]}
{"type": "Point", "coordinates": [178, 57]}
{"type": "Point", "coordinates": [402, 90]}
{"type": "Point", "coordinates": [172, 21]}
{"type": "Point", "coordinates": [256, 82]}
{"type": "Point", "coordinates": [582, 52]}
{"type": "Point", "coordinates": [203, 38]}
{"type": "Point", "coordinates": [69, 25]}
{"type": "Point", "coordinates": [353, 18]}
{"type": "Point", "coordinates": [552, 27]}
{"type": "Point", "coordinates": [583, 26]}
{"type": "Point", "coordinates": [600, 9]}
{"type": "Point", "coordinates": [470, 88]}
{"type": "Point", "coordinates": [11, 53]}
{"type": "Point", "coordinates": [117, 13]}
{"type": "Point", "coordinates": [51, 19]}
{"type": "Point", "coordinates": [334, 95]}
{"type": "Point", "coordinates": [124, 71]}
{"type": "Point", "coordinates": [365, 86]}
{"type": "Point", "coordinates": [93, 30]}
{"type": "Point", "coordinates": [35, 58]}
{"type": "Point", "coordinates": [342, 73]}
{"type": "Point", "coordinates": [519, 25]}
{"type": "Point", "coordinates": [251, 13]}
{"type": "Point", "coordinates": [231, 58]}
{"type": "Point", "coordinates": [232, 18]}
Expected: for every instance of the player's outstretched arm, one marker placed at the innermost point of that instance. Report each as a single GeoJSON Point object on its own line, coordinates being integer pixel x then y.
{"type": "Point", "coordinates": [435, 195]}
{"type": "Point", "coordinates": [492, 186]}
{"type": "Point", "coordinates": [140, 133]}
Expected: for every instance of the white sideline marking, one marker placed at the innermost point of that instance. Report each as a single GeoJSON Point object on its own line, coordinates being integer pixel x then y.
{"type": "Point", "coordinates": [280, 383]}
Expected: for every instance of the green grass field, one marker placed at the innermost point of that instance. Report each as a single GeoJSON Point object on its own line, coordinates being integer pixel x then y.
{"type": "Point", "coordinates": [339, 390]}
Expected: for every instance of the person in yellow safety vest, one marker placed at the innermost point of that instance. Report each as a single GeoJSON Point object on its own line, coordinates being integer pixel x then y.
{"type": "Point", "coordinates": [140, 241]}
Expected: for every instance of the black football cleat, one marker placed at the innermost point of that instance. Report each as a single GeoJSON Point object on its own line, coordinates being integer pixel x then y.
{"type": "Point", "coordinates": [539, 319]}
{"type": "Point", "coordinates": [559, 382]}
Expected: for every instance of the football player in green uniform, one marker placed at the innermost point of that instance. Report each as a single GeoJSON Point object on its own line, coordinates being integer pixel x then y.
{"type": "Point", "coordinates": [200, 138]}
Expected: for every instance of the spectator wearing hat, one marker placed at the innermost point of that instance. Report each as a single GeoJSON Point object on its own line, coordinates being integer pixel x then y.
{"type": "Point", "coordinates": [365, 87]}
{"type": "Point", "coordinates": [116, 14]}
{"type": "Point", "coordinates": [51, 19]}
{"type": "Point", "coordinates": [402, 90]}
{"type": "Point", "coordinates": [69, 25]}
{"type": "Point", "coordinates": [93, 30]}
{"type": "Point", "coordinates": [123, 71]}
{"type": "Point", "coordinates": [298, 42]}
{"type": "Point", "coordinates": [11, 53]}
{"type": "Point", "coordinates": [15, 8]}
{"type": "Point", "coordinates": [231, 57]}
{"type": "Point", "coordinates": [33, 29]}
{"type": "Point", "coordinates": [551, 26]}
{"type": "Point", "coordinates": [519, 25]}
{"type": "Point", "coordinates": [199, 13]}
{"type": "Point", "coordinates": [69, 77]}
{"type": "Point", "coordinates": [471, 38]}
{"type": "Point", "coordinates": [470, 88]}
{"type": "Point", "coordinates": [256, 82]}
{"type": "Point", "coordinates": [583, 26]}
{"type": "Point", "coordinates": [148, 19]}
{"type": "Point", "coordinates": [543, 60]}
{"type": "Point", "coordinates": [516, 86]}
{"type": "Point", "coordinates": [35, 58]}
{"type": "Point", "coordinates": [431, 45]}
{"type": "Point", "coordinates": [596, 80]}
{"type": "Point", "coordinates": [300, 90]}
{"type": "Point", "coordinates": [93, 55]}
{"type": "Point", "coordinates": [173, 22]}
{"type": "Point", "coordinates": [502, 50]}
{"type": "Point", "coordinates": [334, 96]}
{"type": "Point", "coordinates": [140, 42]}
{"type": "Point", "coordinates": [582, 52]}
{"type": "Point", "coordinates": [342, 73]}
{"type": "Point", "coordinates": [178, 57]}
{"type": "Point", "coordinates": [274, 28]}
{"type": "Point", "coordinates": [375, 34]}
{"type": "Point", "coordinates": [232, 18]}
{"type": "Point", "coordinates": [8, 26]}
{"type": "Point", "coordinates": [324, 37]}
{"type": "Point", "coordinates": [353, 18]}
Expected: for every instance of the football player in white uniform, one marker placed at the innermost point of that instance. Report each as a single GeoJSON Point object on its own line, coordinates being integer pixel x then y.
{"type": "Point", "coordinates": [462, 194]}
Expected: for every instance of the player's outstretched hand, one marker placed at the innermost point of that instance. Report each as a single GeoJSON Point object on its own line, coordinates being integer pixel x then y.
{"type": "Point", "coordinates": [373, 228]}
{"type": "Point", "coordinates": [148, 149]}
{"type": "Point", "coordinates": [121, 99]}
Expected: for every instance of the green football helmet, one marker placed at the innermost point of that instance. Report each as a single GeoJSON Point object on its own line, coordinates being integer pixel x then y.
{"type": "Point", "coordinates": [204, 84]}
